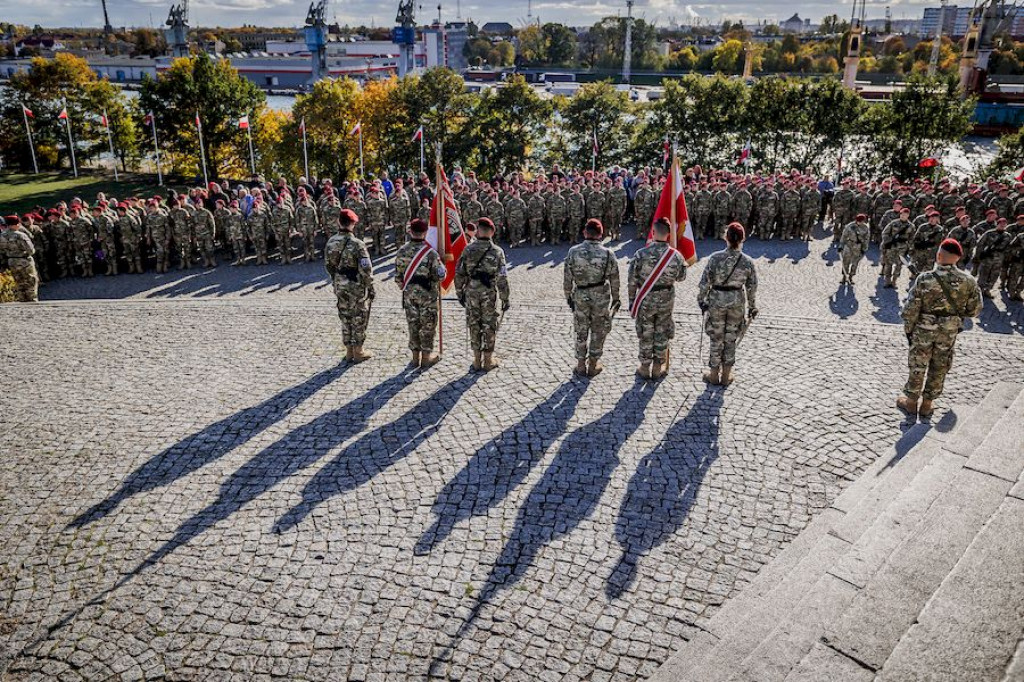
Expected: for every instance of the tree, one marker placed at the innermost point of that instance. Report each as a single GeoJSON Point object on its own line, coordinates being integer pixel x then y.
{"type": "Point", "coordinates": [508, 123]}
{"type": "Point", "coordinates": [328, 110]}
{"type": "Point", "coordinates": [598, 108]}
{"type": "Point", "coordinates": [477, 50]}
{"type": "Point", "coordinates": [502, 54]}
{"type": "Point", "coordinates": [438, 101]}
{"type": "Point", "coordinates": [704, 115]}
{"type": "Point", "coordinates": [220, 96]}
{"type": "Point", "coordinates": [533, 45]}
{"type": "Point", "coordinates": [148, 42]}
{"type": "Point", "coordinates": [1010, 156]}
{"type": "Point", "coordinates": [728, 57]}
{"type": "Point", "coordinates": [607, 38]}
{"type": "Point", "coordinates": [560, 42]}
{"type": "Point", "coordinates": [684, 59]}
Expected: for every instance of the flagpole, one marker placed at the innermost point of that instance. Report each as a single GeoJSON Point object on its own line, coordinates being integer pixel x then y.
{"type": "Point", "coordinates": [361, 172]}
{"type": "Point", "coordinates": [421, 149]}
{"type": "Point", "coordinates": [110, 140]}
{"type": "Point", "coordinates": [305, 152]}
{"type": "Point", "coordinates": [673, 239]}
{"type": "Point", "coordinates": [202, 150]}
{"type": "Point", "coordinates": [71, 140]}
{"type": "Point", "coordinates": [156, 148]}
{"type": "Point", "coordinates": [252, 157]}
{"type": "Point", "coordinates": [31, 144]}
{"type": "Point", "coordinates": [442, 220]}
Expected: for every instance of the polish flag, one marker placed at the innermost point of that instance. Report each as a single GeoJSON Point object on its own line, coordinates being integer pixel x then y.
{"type": "Point", "coordinates": [63, 115]}
{"type": "Point", "coordinates": [1019, 175]}
{"type": "Point", "coordinates": [27, 111]}
{"type": "Point", "coordinates": [148, 119]}
{"type": "Point", "coordinates": [357, 129]}
{"type": "Point", "coordinates": [596, 148]}
{"type": "Point", "coordinates": [302, 125]}
{"type": "Point", "coordinates": [444, 231]}
{"type": "Point", "coordinates": [418, 135]}
{"type": "Point", "coordinates": [672, 207]}
{"type": "Point", "coordinates": [199, 123]}
{"type": "Point", "coordinates": [103, 121]}
{"type": "Point", "coordinates": [243, 122]}
{"type": "Point", "coordinates": [744, 154]}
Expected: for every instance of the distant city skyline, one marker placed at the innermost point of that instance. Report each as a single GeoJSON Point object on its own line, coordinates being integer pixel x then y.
{"type": "Point", "coordinates": [230, 13]}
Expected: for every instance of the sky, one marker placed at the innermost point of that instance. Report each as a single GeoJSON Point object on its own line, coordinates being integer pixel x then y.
{"type": "Point", "coordinates": [78, 13]}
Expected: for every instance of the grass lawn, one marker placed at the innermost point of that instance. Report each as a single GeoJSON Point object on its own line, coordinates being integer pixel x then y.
{"type": "Point", "coordinates": [20, 192]}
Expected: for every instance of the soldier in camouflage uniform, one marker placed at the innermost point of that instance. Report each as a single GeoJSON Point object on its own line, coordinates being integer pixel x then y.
{"type": "Point", "coordinates": [107, 236]}
{"type": "Point", "coordinates": [376, 219]}
{"type": "Point", "coordinates": [480, 279]}
{"type": "Point", "coordinates": [789, 208]}
{"type": "Point", "coordinates": [727, 296]}
{"type": "Point", "coordinates": [854, 244]}
{"type": "Point", "coordinates": [401, 212]}
{"type": "Point", "coordinates": [234, 229]}
{"type": "Point", "coordinates": [181, 231]}
{"type": "Point", "coordinates": [83, 229]}
{"type": "Point", "coordinates": [721, 203]}
{"type": "Point", "coordinates": [330, 210]}
{"type": "Point", "coordinates": [351, 272]}
{"type": "Point", "coordinates": [967, 237]}
{"type": "Point", "coordinates": [933, 314]}
{"type": "Point", "coordinates": [577, 209]}
{"type": "Point", "coordinates": [651, 302]}
{"type": "Point", "coordinates": [1002, 204]}
{"type": "Point", "coordinates": [220, 219]}
{"type": "Point", "coordinates": [470, 208]}
{"type": "Point", "coordinates": [767, 212]}
{"type": "Point", "coordinates": [206, 232]}
{"type": "Point", "coordinates": [132, 236]}
{"type": "Point", "coordinates": [615, 209]}
{"type": "Point", "coordinates": [281, 220]}
{"type": "Point", "coordinates": [841, 203]}
{"type": "Point", "coordinates": [643, 208]}
{"type": "Point", "coordinates": [591, 286]}
{"type": "Point", "coordinates": [810, 204]}
{"type": "Point", "coordinates": [59, 234]}
{"type": "Point", "coordinates": [421, 292]}
{"type": "Point", "coordinates": [307, 222]}
{"type": "Point", "coordinates": [354, 202]}
{"type": "Point", "coordinates": [896, 237]}
{"type": "Point", "coordinates": [515, 216]}
{"type": "Point", "coordinates": [991, 251]}
{"type": "Point", "coordinates": [494, 210]}
{"type": "Point", "coordinates": [702, 200]}
{"type": "Point", "coordinates": [925, 241]}
{"type": "Point", "coordinates": [258, 227]}
{"type": "Point", "coordinates": [742, 204]}
{"type": "Point", "coordinates": [158, 234]}
{"type": "Point", "coordinates": [16, 249]}
{"type": "Point", "coordinates": [537, 209]}
{"type": "Point", "coordinates": [557, 214]}
{"type": "Point", "coordinates": [596, 202]}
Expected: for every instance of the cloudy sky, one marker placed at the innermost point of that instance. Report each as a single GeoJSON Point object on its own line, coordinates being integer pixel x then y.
{"type": "Point", "coordinates": [292, 12]}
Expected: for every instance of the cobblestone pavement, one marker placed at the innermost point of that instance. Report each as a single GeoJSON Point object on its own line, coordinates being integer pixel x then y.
{"type": "Point", "coordinates": [196, 489]}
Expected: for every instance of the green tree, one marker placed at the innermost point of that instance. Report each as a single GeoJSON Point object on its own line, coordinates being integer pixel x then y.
{"type": "Point", "coordinates": [329, 112]}
{"type": "Point", "coordinates": [533, 47]}
{"type": "Point", "coordinates": [684, 59]}
{"type": "Point", "coordinates": [560, 43]}
{"type": "Point", "coordinates": [1010, 157]}
{"type": "Point", "coordinates": [598, 108]}
{"type": "Point", "coordinates": [704, 115]}
{"type": "Point", "coordinates": [477, 50]}
{"type": "Point", "coordinates": [728, 57]}
{"type": "Point", "coordinates": [507, 124]}
{"type": "Point", "coordinates": [502, 54]}
{"type": "Point", "coordinates": [439, 102]}
{"type": "Point", "coordinates": [220, 96]}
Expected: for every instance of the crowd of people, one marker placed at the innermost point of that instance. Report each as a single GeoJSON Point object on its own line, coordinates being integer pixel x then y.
{"type": "Point", "coordinates": [250, 223]}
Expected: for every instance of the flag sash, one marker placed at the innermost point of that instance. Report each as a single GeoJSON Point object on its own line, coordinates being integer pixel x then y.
{"type": "Point", "coordinates": [648, 284]}
{"type": "Point", "coordinates": [416, 260]}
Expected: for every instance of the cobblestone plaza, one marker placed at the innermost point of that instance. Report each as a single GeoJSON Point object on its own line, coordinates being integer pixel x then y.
{"type": "Point", "coordinates": [194, 487]}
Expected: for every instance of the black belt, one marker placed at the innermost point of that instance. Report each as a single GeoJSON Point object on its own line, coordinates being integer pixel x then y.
{"type": "Point", "coordinates": [942, 314]}
{"type": "Point", "coordinates": [581, 287]}
{"type": "Point", "coordinates": [661, 287]}
{"type": "Point", "coordinates": [420, 281]}
{"type": "Point", "coordinates": [719, 287]}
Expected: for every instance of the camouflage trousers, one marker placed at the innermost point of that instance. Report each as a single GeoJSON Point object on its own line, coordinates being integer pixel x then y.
{"type": "Point", "coordinates": [183, 249]}
{"type": "Point", "coordinates": [765, 225]}
{"type": "Point", "coordinates": [655, 327]}
{"type": "Point", "coordinates": [789, 225]}
{"type": "Point", "coordinates": [723, 329]}
{"type": "Point", "coordinates": [353, 311]}
{"type": "Point", "coordinates": [556, 230]}
{"type": "Point", "coordinates": [26, 279]}
{"type": "Point", "coordinates": [929, 360]}
{"type": "Point", "coordinates": [133, 252]}
{"type": "Point", "coordinates": [422, 320]}
{"type": "Point", "coordinates": [923, 259]}
{"type": "Point", "coordinates": [85, 256]}
{"type": "Point", "coordinates": [284, 243]}
{"type": "Point", "coordinates": [400, 226]}
{"type": "Point", "coordinates": [515, 231]}
{"type": "Point", "coordinates": [643, 226]}
{"type": "Point", "coordinates": [482, 319]}
{"type": "Point", "coordinates": [988, 272]}
{"type": "Point", "coordinates": [207, 247]}
{"type": "Point", "coordinates": [613, 223]}
{"type": "Point", "coordinates": [161, 250]}
{"type": "Point", "coordinates": [1015, 278]}
{"type": "Point", "coordinates": [260, 242]}
{"type": "Point", "coordinates": [892, 263]}
{"type": "Point", "coordinates": [238, 246]}
{"type": "Point", "coordinates": [376, 233]}
{"type": "Point", "coordinates": [309, 244]}
{"type": "Point", "coordinates": [592, 321]}
{"type": "Point", "coordinates": [851, 260]}
{"type": "Point", "coordinates": [536, 230]}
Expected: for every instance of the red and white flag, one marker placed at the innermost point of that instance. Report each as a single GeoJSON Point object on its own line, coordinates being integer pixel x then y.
{"type": "Point", "coordinates": [418, 135]}
{"type": "Point", "coordinates": [744, 154]}
{"type": "Point", "coordinates": [666, 153]}
{"type": "Point", "coordinates": [596, 148]}
{"type": "Point", "coordinates": [1019, 175]}
{"type": "Point", "coordinates": [302, 125]}
{"type": "Point", "coordinates": [63, 115]}
{"type": "Point", "coordinates": [444, 232]}
{"type": "Point", "coordinates": [199, 124]}
{"type": "Point", "coordinates": [27, 111]}
{"type": "Point", "coordinates": [243, 123]}
{"type": "Point", "coordinates": [357, 129]}
{"type": "Point", "coordinates": [672, 207]}
{"type": "Point", "coordinates": [148, 119]}
{"type": "Point", "coordinates": [103, 120]}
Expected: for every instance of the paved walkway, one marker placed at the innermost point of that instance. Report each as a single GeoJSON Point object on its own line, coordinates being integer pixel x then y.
{"type": "Point", "coordinates": [193, 487]}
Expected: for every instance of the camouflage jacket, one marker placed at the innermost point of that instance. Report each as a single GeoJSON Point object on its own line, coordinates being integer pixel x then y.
{"type": "Point", "coordinates": [896, 234]}
{"type": "Point", "coordinates": [16, 244]}
{"type": "Point", "coordinates": [993, 244]}
{"type": "Point", "coordinates": [157, 227]}
{"type": "Point", "coordinates": [592, 267]}
{"type": "Point", "coordinates": [205, 227]}
{"type": "Point", "coordinates": [928, 303]}
{"type": "Point", "coordinates": [856, 236]}
{"type": "Point", "coordinates": [643, 264]}
{"type": "Point", "coordinates": [424, 282]}
{"type": "Point", "coordinates": [729, 275]}
{"type": "Point", "coordinates": [482, 267]}
{"type": "Point", "coordinates": [348, 262]}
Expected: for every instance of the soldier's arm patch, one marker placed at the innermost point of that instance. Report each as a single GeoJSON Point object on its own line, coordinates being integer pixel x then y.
{"type": "Point", "coordinates": [364, 262]}
{"type": "Point", "coordinates": [504, 271]}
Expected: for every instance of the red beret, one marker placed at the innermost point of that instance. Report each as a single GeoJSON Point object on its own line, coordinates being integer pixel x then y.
{"type": "Point", "coordinates": [348, 217]}
{"type": "Point", "coordinates": [861, 218]}
{"type": "Point", "coordinates": [1020, 217]}
{"type": "Point", "coordinates": [951, 246]}
{"type": "Point", "coordinates": [594, 225]}
{"type": "Point", "coordinates": [418, 226]}
{"type": "Point", "coordinates": [485, 223]}
{"type": "Point", "coordinates": [13, 220]}
{"type": "Point", "coordinates": [735, 233]}
{"type": "Point", "coordinates": [991, 211]}
{"type": "Point", "coordinates": [53, 211]}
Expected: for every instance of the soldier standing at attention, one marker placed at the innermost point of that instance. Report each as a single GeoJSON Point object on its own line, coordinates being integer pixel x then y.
{"type": "Point", "coordinates": [235, 230]}
{"type": "Point", "coordinates": [727, 296]}
{"type": "Point", "coordinates": [83, 229]}
{"type": "Point", "coordinates": [854, 244]}
{"type": "Point", "coordinates": [418, 273]}
{"type": "Point", "coordinates": [925, 241]}
{"type": "Point", "coordinates": [895, 238]}
{"type": "Point", "coordinates": [131, 237]}
{"type": "Point", "coordinates": [933, 314]}
{"type": "Point", "coordinates": [306, 223]}
{"type": "Point", "coordinates": [653, 272]}
{"type": "Point", "coordinates": [480, 278]}
{"type": "Point", "coordinates": [17, 249]}
{"type": "Point", "coordinates": [158, 232]}
{"type": "Point", "coordinates": [992, 247]}
{"type": "Point", "coordinates": [591, 284]}
{"type": "Point", "coordinates": [349, 267]}
{"type": "Point", "coordinates": [206, 230]}
{"type": "Point", "coordinates": [281, 220]}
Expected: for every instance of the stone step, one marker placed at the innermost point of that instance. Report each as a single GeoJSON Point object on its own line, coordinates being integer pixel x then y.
{"type": "Point", "coordinates": [823, 663]}
{"type": "Point", "coordinates": [970, 627]}
{"type": "Point", "coordinates": [966, 439]}
{"type": "Point", "coordinates": [800, 575]}
{"type": "Point", "coordinates": [1001, 454]}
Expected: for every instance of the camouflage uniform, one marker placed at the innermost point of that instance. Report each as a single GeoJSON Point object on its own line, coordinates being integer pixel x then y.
{"type": "Point", "coordinates": [62, 244]}
{"type": "Point", "coordinates": [654, 325]}
{"type": "Point", "coordinates": [643, 208]}
{"type": "Point", "coordinates": [537, 209]}
{"type": "Point", "coordinates": [842, 204]}
{"type": "Point", "coordinates": [932, 325]}
{"type": "Point", "coordinates": [854, 244]}
{"type": "Point", "coordinates": [701, 213]}
{"type": "Point", "coordinates": [577, 208]}
{"type": "Point", "coordinates": [895, 242]}
{"type": "Point", "coordinates": [376, 217]}
{"type": "Point", "coordinates": [615, 209]}
{"type": "Point", "coordinates": [181, 229]}
{"type": "Point", "coordinates": [106, 233]}
{"type": "Point", "coordinates": [742, 206]}
{"type": "Point", "coordinates": [83, 230]}
{"type": "Point", "coordinates": [968, 239]}
{"type": "Point", "coordinates": [494, 210]}
{"type": "Point", "coordinates": [471, 210]}
{"type": "Point", "coordinates": [1014, 262]}
{"type": "Point", "coordinates": [480, 278]}
{"type": "Point", "coordinates": [591, 284]}
{"type": "Point", "coordinates": [234, 229]}
{"type": "Point", "coordinates": [401, 214]}
{"type": "Point", "coordinates": [132, 235]}
{"type": "Point", "coordinates": [789, 208]}
{"type": "Point", "coordinates": [767, 213]}
{"type": "Point", "coordinates": [810, 204]}
{"type": "Point", "coordinates": [596, 203]}
{"type": "Point", "coordinates": [281, 221]}
{"type": "Point", "coordinates": [515, 215]}
{"type": "Point", "coordinates": [727, 290]}
{"type": "Point", "coordinates": [992, 247]}
{"type": "Point", "coordinates": [158, 231]}
{"type": "Point", "coordinates": [306, 223]}
{"type": "Point", "coordinates": [206, 230]}
{"type": "Point", "coordinates": [330, 211]}
{"type": "Point", "coordinates": [259, 229]}
{"type": "Point", "coordinates": [923, 246]}
{"type": "Point", "coordinates": [355, 203]}
{"type": "Point", "coordinates": [349, 267]}
{"type": "Point", "coordinates": [17, 249]}
{"type": "Point", "coordinates": [557, 211]}
{"type": "Point", "coordinates": [721, 203]}
{"type": "Point", "coordinates": [421, 297]}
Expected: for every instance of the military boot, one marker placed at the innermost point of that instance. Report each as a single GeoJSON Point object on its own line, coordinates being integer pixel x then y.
{"type": "Point", "coordinates": [478, 363]}
{"type": "Point", "coordinates": [489, 362]}
{"type": "Point", "coordinates": [415, 362]}
{"type": "Point", "coordinates": [594, 367]}
{"type": "Point", "coordinates": [906, 404]}
{"type": "Point", "coordinates": [713, 376]}
{"type": "Point", "coordinates": [581, 368]}
{"type": "Point", "coordinates": [926, 409]}
{"type": "Point", "coordinates": [644, 370]}
{"type": "Point", "coordinates": [348, 353]}
{"type": "Point", "coordinates": [358, 355]}
{"type": "Point", "coordinates": [658, 369]}
{"type": "Point", "coordinates": [726, 376]}
{"type": "Point", "coordinates": [429, 359]}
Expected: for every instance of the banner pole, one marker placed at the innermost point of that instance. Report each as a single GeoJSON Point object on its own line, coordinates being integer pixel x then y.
{"type": "Point", "coordinates": [31, 144]}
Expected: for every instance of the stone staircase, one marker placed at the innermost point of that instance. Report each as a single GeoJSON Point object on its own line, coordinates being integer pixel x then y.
{"type": "Point", "coordinates": [916, 572]}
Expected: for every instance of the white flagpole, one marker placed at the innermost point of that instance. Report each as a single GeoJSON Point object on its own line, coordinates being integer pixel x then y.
{"type": "Point", "coordinates": [672, 177]}
{"type": "Point", "coordinates": [71, 140]}
{"type": "Point", "coordinates": [252, 157]}
{"type": "Point", "coordinates": [421, 149]}
{"type": "Point", "coordinates": [305, 152]}
{"type": "Point", "coordinates": [361, 172]}
{"type": "Point", "coordinates": [156, 148]}
{"type": "Point", "coordinates": [31, 144]}
{"type": "Point", "coordinates": [110, 140]}
{"type": "Point", "coordinates": [202, 150]}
